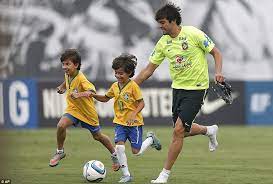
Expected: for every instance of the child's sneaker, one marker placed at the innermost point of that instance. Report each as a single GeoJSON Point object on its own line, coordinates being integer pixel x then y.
{"type": "Point", "coordinates": [56, 159]}
{"type": "Point", "coordinates": [156, 142]}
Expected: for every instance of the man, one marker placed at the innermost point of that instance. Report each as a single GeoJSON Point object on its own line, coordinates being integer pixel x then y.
{"type": "Point", "coordinates": [185, 48]}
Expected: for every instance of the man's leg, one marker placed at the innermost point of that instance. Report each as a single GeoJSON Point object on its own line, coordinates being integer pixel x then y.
{"type": "Point", "coordinates": [174, 150]}
{"type": "Point", "coordinates": [197, 129]}
{"type": "Point", "coordinates": [61, 135]}
{"type": "Point", "coordinates": [176, 144]}
{"type": "Point", "coordinates": [210, 131]}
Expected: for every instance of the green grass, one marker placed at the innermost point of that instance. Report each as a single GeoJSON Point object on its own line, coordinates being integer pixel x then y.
{"type": "Point", "coordinates": [245, 156]}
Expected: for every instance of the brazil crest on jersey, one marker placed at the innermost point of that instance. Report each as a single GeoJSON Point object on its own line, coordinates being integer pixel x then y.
{"type": "Point", "coordinates": [187, 58]}
{"type": "Point", "coordinates": [82, 108]}
{"type": "Point", "coordinates": [125, 102]}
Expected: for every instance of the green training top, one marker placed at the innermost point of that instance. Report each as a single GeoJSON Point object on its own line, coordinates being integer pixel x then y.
{"type": "Point", "coordinates": [186, 54]}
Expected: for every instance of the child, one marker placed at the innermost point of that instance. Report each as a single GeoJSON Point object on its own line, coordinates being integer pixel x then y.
{"type": "Point", "coordinates": [80, 107]}
{"type": "Point", "coordinates": [128, 103]}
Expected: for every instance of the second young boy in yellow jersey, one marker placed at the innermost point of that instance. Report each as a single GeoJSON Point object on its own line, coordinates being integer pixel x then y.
{"type": "Point", "coordinates": [80, 107]}
{"type": "Point", "coordinates": [128, 103]}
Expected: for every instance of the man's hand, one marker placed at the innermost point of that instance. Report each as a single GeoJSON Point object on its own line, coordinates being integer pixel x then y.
{"type": "Point", "coordinates": [223, 91]}
{"type": "Point", "coordinates": [219, 78]}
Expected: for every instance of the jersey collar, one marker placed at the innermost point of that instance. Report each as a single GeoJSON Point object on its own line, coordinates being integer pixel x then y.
{"type": "Point", "coordinates": [121, 88]}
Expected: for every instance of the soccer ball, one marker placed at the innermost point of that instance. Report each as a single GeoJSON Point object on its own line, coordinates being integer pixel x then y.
{"type": "Point", "coordinates": [94, 171]}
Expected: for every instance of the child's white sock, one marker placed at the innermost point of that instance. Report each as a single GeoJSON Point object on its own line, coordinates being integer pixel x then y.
{"type": "Point", "coordinates": [60, 151]}
{"type": "Point", "coordinates": [147, 143]}
{"type": "Point", "coordinates": [120, 149]}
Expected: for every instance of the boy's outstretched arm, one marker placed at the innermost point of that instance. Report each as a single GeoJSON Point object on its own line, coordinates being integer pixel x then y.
{"type": "Point", "coordinates": [76, 95]}
{"type": "Point", "coordinates": [101, 98]}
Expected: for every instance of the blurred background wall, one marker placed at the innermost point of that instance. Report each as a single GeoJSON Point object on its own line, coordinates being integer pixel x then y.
{"type": "Point", "coordinates": [34, 33]}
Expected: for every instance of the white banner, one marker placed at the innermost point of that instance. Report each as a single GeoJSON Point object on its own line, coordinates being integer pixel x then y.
{"type": "Point", "coordinates": [36, 32]}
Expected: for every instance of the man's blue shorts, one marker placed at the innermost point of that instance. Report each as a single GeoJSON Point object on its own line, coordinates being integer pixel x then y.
{"type": "Point", "coordinates": [76, 122]}
{"type": "Point", "coordinates": [132, 133]}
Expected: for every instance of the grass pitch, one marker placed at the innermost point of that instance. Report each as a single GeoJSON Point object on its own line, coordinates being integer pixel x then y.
{"type": "Point", "coordinates": [244, 156]}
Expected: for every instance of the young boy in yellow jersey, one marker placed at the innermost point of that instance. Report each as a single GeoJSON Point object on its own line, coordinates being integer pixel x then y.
{"type": "Point", "coordinates": [80, 107]}
{"type": "Point", "coordinates": [128, 103]}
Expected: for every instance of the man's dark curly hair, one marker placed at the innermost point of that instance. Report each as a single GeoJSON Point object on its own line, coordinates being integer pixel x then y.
{"type": "Point", "coordinates": [170, 12]}
{"type": "Point", "coordinates": [73, 55]}
{"type": "Point", "coordinates": [126, 61]}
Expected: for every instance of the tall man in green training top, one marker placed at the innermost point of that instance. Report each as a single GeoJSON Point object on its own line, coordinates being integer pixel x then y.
{"type": "Point", "coordinates": [185, 47]}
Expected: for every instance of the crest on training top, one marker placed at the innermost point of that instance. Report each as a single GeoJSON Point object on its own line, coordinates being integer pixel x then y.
{"type": "Point", "coordinates": [185, 45]}
{"type": "Point", "coordinates": [179, 59]}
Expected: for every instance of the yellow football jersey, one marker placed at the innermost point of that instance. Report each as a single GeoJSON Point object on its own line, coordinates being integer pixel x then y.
{"type": "Point", "coordinates": [82, 108]}
{"type": "Point", "coordinates": [125, 102]}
